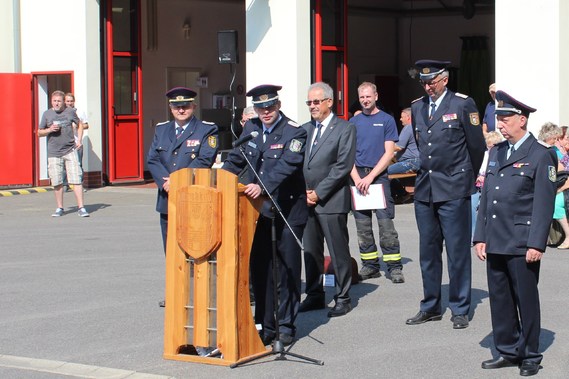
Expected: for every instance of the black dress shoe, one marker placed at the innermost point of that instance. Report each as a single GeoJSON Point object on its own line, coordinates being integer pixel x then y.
{"type": "Point", "coordinates": [460, 322]}
{"type": "Point", "coordinates": [267, 340]}
{"type": "Point", "coordinates": [340, 309]}
{"type": "Point", "coordinates": [311, 305]}
{"type": "Point", "coordinates": [497, 363]}
{"type": "Point", "coordinates": [529, 368]}
{"type": "Point", "coordinates": [162, 303]}
{"type": "Point", "coordinates": [422, 317]}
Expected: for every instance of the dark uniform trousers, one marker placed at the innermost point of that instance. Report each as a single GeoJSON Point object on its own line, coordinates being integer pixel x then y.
{"type": "Point", "coordinates": [510, 277]}
{"type": "Point", "coordinates": [289, 269]}
{"type": "Point", "coordinates": [434, 221]}
{"type": "Point", "coordinates": [388, 237]}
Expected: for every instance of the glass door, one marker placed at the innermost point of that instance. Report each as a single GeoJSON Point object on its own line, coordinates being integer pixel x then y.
{"type": "Point", "coordinates": [125, 158]}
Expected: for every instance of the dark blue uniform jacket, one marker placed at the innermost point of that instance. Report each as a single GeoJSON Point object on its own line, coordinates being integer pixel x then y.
{"type": "Point", "coordinates": [195, 148]}
{"type": "Point", "coordinates": [451, 147]}
{"type": "Point", "coordinates": [278, 162]}
{"type": "Point", "coordinates": [518, 196]}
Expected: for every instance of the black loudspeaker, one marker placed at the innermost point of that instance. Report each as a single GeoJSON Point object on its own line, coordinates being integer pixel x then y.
{"type": "Point", "coordinates": [227, 46]}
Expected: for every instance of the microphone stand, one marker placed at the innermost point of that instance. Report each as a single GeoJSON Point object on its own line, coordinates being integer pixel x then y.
{"type": "Point", "coordinates": [278, 347]}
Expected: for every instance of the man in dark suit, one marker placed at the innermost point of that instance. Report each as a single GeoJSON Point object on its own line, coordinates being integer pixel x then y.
{"type": "Point", "coordinates": [276, 154]}
{"type": "Point", "coordinates": [451, 147]}
{"type": "Point", "coordinates": [184, 142]}
{"type": "Point", "coordinates": [327, 165]}
{"type": "Point", "coordinates": [513, 222]}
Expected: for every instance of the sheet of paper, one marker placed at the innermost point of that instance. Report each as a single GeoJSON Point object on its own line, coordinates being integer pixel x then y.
{"type": "Point", "coordinates": [329, 280]}
{"type": "Point", "coordinates": [375, 198]}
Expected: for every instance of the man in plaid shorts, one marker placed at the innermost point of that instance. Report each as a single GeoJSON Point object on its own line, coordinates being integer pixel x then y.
{"type": "Point", "coordinates": [57, 125]}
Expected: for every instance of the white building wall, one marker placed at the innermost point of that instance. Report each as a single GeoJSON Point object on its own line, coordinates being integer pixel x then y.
{"type": "Point", "coordinates": [63, 35]}
{"type": "Point", "coordinates": [9, 37]}
{"type": "Point", "coordinates": [529, 50]}
{"type": "Point", "coordinates": [278, 51]}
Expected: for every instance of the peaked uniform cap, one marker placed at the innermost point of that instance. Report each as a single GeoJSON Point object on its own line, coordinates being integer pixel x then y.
{"type": "Point", "coordinates": [507, 105]}
{"type": "Point", "coordinates": [429, 69]}
{"type": "Point", "coordinates": [180, 96]}
{"type": "Point", "coordinates": [265, 95]}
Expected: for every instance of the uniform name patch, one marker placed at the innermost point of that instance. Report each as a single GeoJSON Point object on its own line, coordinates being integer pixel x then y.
{"type": "Point", "coordinates": [212, 141]}
{"type": "Point", "coordinates": [276, 146]}
{"type": "Point", "coordinates": [474, 118]}
{"type": "Point", "coordinates": [552, 173]}
{"type": "Point", "coordinates": [377, 124]}
{"type": "Point", "coordinates": [192, 142]}
{"type": "Point", "coordinates": [449, 117]}
{"type": "Point", "coordinates": [295, 146]}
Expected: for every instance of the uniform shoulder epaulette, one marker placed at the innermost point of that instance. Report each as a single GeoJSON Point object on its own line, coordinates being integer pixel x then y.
{"type": "Point", "coordinates": [292, 123]}
{"type": "Point", "coordinates": [208, 122]}
{"type": "Point", "coordinates": [461, 95]}
{"type": "Point", "coordinates": [417, 99]}
{"type": "Point", "coordinates": [162, 123]}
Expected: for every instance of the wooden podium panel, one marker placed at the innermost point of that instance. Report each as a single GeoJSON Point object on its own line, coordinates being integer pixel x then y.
{"type": "Point", "coordinates": [211, 224]}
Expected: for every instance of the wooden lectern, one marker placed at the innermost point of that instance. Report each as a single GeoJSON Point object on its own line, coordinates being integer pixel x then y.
{"type": "Point", "coordinates": [211, 224]}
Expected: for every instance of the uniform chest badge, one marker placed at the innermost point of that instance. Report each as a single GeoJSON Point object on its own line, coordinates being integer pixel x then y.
{"type": "Point", "coordinates": [474, 118]}
{"type": "Point", "coordinates": [276, 146]}
{"type": "Point", "coordinates": [449, 117]}
{"type": "Point", "coordinates": [252, 144]}
{"type": "Point", "coordinates": [518, 165]}
{"type": "Point", "coordinates": [295, 146]}
{"type": "Point", "coordinates": [491, 163]}
{"type": "Point", "coordinates": [192, 142]}
{"type": "Point", "coordinates": [212, 141]}
{"type": "Point", "coordinates": [552, 173]}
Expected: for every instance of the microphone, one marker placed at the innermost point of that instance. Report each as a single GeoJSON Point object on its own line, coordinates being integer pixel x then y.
{"type": "Point", "coordinates": [245, 139]}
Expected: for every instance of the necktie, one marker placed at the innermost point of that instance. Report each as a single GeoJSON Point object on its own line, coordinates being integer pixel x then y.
{"type": "Point", "coordinates": [179, 131]}
{"type": "Point", "coordinates": [510, 152]}
{"type": "Point", "coordinates": [433, 106]}
{"type": "Point", "coordinates": [265, 134]}
{"type": "Point", "coordinates": [318, 132]}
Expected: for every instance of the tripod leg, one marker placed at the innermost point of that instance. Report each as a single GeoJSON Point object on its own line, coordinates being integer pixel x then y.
{"type": "Point", "coordinates": [315, 361]}
{"type": "Point", "coordinates": [251, 359]}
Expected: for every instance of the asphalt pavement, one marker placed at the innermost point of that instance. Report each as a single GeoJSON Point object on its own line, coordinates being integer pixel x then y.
{"type": "Point", "coordinates": [80, 300]}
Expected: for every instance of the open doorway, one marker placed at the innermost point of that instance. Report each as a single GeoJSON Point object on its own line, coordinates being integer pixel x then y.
{"type": "Point", "coordinates": [44, 84]}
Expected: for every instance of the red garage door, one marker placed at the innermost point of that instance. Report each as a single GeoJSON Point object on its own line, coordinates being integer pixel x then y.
{"type": "Point", "coordinates": [16, 144]}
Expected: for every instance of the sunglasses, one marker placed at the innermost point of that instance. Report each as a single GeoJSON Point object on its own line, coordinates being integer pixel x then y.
{"type": "Point", "coordinates": [315, 102]}
{"type": "Point", "coordinates": [430, 84]}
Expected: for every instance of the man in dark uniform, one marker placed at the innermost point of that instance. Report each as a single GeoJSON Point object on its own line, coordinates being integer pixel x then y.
{"type": "Point", "coordinates": [184, 142]}
{"type": "Point", "coordinates": [513, 222]}
{"type": "Point", "coordinates": [451, 146]}
{"type": "Point", "coordinates": [276, 154]}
